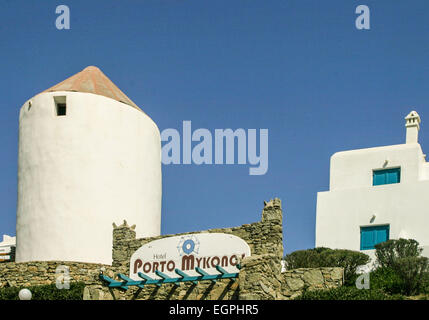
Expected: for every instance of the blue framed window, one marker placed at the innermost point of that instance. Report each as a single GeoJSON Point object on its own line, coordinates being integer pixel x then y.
{"type": "Point", "coordinates": [370, 236]}
{"type": "Point", "coordinates": [386, 176]}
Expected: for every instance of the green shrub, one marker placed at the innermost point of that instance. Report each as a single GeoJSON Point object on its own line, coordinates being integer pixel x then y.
{"type": "Point", "coordinates": [325, 257]}
{"type": "Point", "coordinates": [403, 258]}
{"type": "Point", "coordinates": [310, 258]}
{"type": "Point", "coordinates": [46, 292]}
{"type": "Point", "coordinates": [413, 273]}
{"type": "Point", "coordinates": [9, 293]}
{"type": "Point", "coordinates": [388, 252]}
{"type": "Point", "coordinates": [347, 293]}
{"type": "Point", "coordinates": [425, 286]}
{"type": "Point", "coordinates": [386, 279]}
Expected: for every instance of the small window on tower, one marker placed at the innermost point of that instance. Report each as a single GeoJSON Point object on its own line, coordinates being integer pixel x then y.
{"type": "Point", "coordinates": [60, 106]}
{"type": "Point", "coordinates": [61, 109]}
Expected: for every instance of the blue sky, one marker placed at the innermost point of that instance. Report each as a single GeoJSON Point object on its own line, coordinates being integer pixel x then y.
{"type": "Point", "coordinates": [299, 68]}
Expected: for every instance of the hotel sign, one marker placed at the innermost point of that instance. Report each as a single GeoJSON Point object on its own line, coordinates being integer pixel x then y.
{"type": "Point", "coordinates": [203, 250]}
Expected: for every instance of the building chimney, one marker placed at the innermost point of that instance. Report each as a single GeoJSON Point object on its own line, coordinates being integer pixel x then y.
{"type": "Point", "coordinates": [412, 123]}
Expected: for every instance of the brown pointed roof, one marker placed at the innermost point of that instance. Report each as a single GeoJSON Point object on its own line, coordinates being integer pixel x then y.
{"type": "Point", "coordinates": [93, 80]}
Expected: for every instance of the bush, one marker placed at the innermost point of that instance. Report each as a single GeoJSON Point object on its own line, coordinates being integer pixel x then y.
{"type": "Point", "coordinates": [46, 292]}
{"type": "Point", "coordinates": [325, 257]}
{"type": "Point", "coordinates": [347, 293]}
{"type": "Point", "coordinates": [403, 258]}
{"type": "Point", "coordinates": [310, 258]}
{"type": "Point", "coordinates": [386, 279]}
{"type": "Point", "coordinates": [413, 273]}
{"type": "Point", "coordinates": [388, 252]}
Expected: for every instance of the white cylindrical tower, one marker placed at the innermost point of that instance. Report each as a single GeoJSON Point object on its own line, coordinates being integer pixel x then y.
{"type": "Point", "coordinates": [88, 157]}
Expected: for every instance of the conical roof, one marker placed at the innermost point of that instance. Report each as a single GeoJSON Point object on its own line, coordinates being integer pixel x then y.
{"type": "Point", "coordinates": [93, 80]}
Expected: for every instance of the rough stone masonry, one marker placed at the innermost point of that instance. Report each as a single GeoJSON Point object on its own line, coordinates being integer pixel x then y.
{"type": "Point", "coordinates": [260, 276]}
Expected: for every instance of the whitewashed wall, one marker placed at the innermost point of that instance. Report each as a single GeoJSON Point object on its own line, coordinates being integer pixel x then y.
{"type": "Point", "coordinates": [79, 173]}
{"type": "Point", "coordinates": [352, 200]}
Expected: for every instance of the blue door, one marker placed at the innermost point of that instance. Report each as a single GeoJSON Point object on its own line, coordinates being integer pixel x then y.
{"type": "Point", "coordinates": [370, 236]}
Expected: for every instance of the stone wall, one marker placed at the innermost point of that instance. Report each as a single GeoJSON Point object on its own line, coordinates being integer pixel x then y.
{"type": "Point", "coordinates": [265, 236]}
{"type": "Point", "coordinates": [25, 274]}
{"type": "Point", "coordinates": [260, 276]}
{"type": "Point", "coordinates": [259, 279]}
{"type": "Point", "coordinates": [296, 280]}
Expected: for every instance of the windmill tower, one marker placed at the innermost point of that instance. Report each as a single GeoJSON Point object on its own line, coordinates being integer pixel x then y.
{"type": "Point", "coordinates": [88, 157]}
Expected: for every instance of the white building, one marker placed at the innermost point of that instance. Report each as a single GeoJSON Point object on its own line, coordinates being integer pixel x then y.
{"type": "Point", "coordinates": [376, 194]}
{"type": "Point", "coordinates": [7, 248]}
{"type": "Point", "coordinates": [88, 157]}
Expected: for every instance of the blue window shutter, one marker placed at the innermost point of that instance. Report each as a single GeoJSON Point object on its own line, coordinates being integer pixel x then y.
{"type": "Point", "coordinates": [367, 239]}
{"type": "Point", "coordinates": [387, 176]}
{"type": "Point", "coordinates": [379, 178]}
{"type": "Point", "coordinates": [382, 234]}
{"type": "Point", "coordinates": [393, 176]}
{"type": "Point", "coordinates": [370, 236]}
